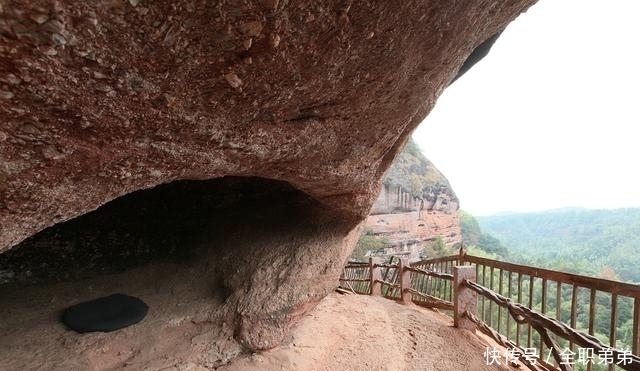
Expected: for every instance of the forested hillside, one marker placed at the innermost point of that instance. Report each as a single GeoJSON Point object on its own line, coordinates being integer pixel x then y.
{"type": "Point", "coordinates": [602, 243]}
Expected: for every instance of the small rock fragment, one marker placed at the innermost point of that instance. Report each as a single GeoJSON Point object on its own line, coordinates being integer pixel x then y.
{"type": "Point", "coordinates": [6, 94]}
{"type": "Point", "coordinates": [50, 152]}
{"type": "Point", "coordinates": [53, 26]}
{"type": "Point", "coordinates": [253, 28]}
{"type": "Point", "coordinates": [134, 2]}
{"type": "Point", "coordinates": [233, 80]}
{"type": "Point", "coordinates": [99, 75]}
{"type": "Point", "coordinates": [274, 40]}
{"type": "Point", "coordinates": [247, 43]}
{"type": "Point", "coordinates": [39, 18]}
{"type": "Point", "coordinates": [12, 79]}
{"type": "Point", "coordinates": [58, 39]}
{"type": "Point", "coordinates": [49, 51]}
{"type": "Point", "coordinates": [270, 4]}
{"type": "Point", "coordinates": [29, 128]}
{"type": "Point", "coordinates": [3, 136]}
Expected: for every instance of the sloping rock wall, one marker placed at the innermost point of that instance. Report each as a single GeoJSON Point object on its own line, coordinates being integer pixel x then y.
{"type": "Point", "coordinates": [99, 99]}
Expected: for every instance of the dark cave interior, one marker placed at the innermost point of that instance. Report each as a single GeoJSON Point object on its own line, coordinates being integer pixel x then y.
{"type": "Point", "coordinates": [173, 222]}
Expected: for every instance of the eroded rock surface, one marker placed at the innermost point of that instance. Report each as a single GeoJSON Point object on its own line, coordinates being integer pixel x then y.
{"type": "Point", "coordinates": [99, 99]}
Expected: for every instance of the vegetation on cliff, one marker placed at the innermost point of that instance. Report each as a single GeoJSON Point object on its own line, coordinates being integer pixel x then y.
{"type": "Point", "coordinates": [368, 242]}
{"type": "Point", "coordinates": [414, 173]}
{"type": "Point", "coordinates": [479, 243]}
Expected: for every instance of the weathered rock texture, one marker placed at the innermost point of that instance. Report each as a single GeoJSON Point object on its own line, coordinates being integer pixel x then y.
{"type": "Point", "coordinates": [99, 99]}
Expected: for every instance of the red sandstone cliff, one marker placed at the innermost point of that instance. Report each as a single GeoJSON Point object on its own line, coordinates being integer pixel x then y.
{"type": "Point", "coordinates": [415, 206]}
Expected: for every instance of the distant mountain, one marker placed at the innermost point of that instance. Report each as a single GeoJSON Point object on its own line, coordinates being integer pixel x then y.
{"type": "Point", "coordinates": [593, 242]}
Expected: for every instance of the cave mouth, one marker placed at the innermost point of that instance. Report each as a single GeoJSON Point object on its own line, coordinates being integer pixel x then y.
{"type": "Point", "coordinates": [177, 222]}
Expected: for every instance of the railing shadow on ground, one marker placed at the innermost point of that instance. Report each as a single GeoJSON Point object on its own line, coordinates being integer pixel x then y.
{"type": "Point", "coordinates": [512, 304]}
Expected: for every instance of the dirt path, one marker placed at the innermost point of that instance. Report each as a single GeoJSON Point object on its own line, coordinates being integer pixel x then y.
{"type": "Point", "coordinates": [343, 333]}
{"type": "Point", "coordinates": [367, 333]}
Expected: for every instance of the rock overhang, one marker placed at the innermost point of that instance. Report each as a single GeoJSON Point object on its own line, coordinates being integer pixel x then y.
{"type": "Point", "coordinates": [103, 99]}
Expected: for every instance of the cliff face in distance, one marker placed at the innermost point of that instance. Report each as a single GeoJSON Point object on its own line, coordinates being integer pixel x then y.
{"type": "Point", "coordinates": [415, 206]}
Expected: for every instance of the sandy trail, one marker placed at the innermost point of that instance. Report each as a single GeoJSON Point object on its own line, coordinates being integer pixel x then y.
{"type": "Point", "coordinates": [352, 332]}
{"type": "Point", "coordinates": [344, 332]}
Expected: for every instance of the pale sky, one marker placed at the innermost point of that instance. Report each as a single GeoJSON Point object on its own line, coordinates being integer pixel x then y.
{"type": "Point", "coordinates": [550, 118]}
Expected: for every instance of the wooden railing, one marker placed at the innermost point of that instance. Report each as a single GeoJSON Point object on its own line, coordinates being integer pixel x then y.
{"type": "Point", "coordinates": [521, 307]}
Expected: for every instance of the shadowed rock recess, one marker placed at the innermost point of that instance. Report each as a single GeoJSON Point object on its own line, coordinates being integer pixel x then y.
{"type": "Point", "coordinates": [247, 138]}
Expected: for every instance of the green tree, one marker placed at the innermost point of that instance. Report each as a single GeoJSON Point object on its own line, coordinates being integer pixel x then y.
{"type": "Point", "coordinates": [415, 184]}
{"type": "Point", "coordinates": [436, 248]}
{"type": "Point", "coordinates": [472, 236]}
{"type": "Point", "coordinates": [368, 242]}
{"type": "Point", "coordinates": [469, 228]}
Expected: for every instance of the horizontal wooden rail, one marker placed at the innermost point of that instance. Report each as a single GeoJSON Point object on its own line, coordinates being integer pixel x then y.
{"type": "Point", "coordinates": [391, 284]}
{"type": "Point", "coordinates": [431, 300]}
{"type": "Point", "coordinates": [445, 276]}
{"type": "Point", "coordinates": [443, 259]}
{"type": "Point", "coordinates": [614, 287]}
{"type": "Point", "coordinates": [356, 264]}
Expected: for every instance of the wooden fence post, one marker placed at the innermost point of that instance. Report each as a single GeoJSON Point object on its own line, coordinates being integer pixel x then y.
{"type": "Point", "coordinates": [405, 281]}
{"type": "Point", "coordinates": [375, 274]}
{"type": "Point", "coordinates": [464, 299]}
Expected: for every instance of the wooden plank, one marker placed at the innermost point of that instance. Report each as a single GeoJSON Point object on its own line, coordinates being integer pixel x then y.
{"type": "Point", "coordinates": [592, 309]}
{"type": "Point", "coordinates": [530, 332]}
{"type": "Point", "coordinates": [613, 325]}
{"type": "Point", "coordinates": [592, 315]}
{"type": "Point", "coordinates": [509, 296]}
{"type": "Point", "coordinates": [636, 326]}
{"type": "Point", "coordinates": [558, 299]}
{"type": "Point", "coordinates": [558, 309]}
{"type": "Point", "coordinates": [500, 271]}
{"type": "Point", "coordinates": [490, 323]}
{"type": "Point", "coordinates": [574, 312]}
{"type": "Point", "coordinates": [435, 304]}
{"type": "Point", "coordinates": [355, 279]}
{"type": "Point", "coordinates": [435, 260]}
{"type": "Point", "coordinates": [519, 301]}
{"type": "Point", "coordinates": [428, 297]}
{"type": "Point", "coordinates": [543, 309]}
{"type": "Point", "coordinates": [483, 318]}
{"type": "Point", "coordinates": [371, 277]}
{"type": "Point", "coordinates": [433, 273]}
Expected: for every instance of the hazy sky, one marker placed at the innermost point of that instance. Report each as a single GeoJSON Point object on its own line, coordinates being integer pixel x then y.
{"type": "Point", "coordinates": [550, 118]}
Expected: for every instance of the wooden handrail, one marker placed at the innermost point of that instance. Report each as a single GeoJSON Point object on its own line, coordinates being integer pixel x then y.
{"type": "Point", "coordinates": [427, 284]}
{"type": "Point", "coordinates": [543, 324]}
{"type": "Point", "coordinates": [436, 260]}
{"type": "Point", "coordinates": [445, 276]}
{"type": "Point", "coordinates": [600, 284]}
